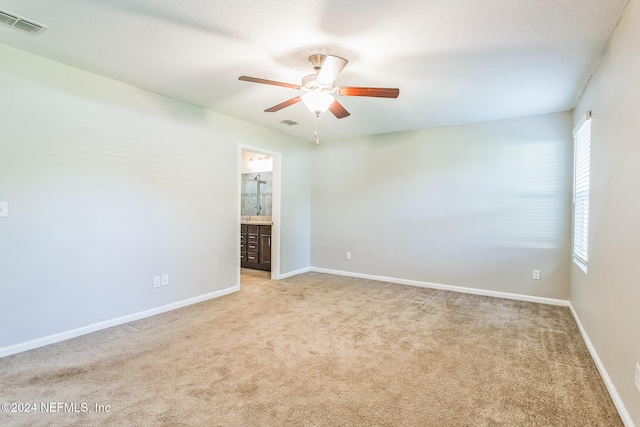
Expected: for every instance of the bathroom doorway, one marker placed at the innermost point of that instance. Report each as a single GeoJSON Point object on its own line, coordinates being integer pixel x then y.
{"type": "Point", "coordinates": [259, 187]}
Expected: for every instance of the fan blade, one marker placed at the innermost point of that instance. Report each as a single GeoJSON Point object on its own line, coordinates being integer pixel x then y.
{"type": "Point", "coordinates": [268, 82]}
{"type": "Point", "coordinates": [331, 67]}
{"type": "Point", "coordinates": [283, 105]}
{"type": "Point", "coordinates": [378, 92]}
{"type": "Point", "coordinates": [338, 110]}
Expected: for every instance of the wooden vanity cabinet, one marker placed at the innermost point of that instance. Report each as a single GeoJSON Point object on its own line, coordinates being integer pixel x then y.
{"type": "Point", "coordinates": [255, 246]}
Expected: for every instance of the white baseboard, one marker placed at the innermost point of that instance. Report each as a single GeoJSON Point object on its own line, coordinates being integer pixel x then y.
{"type": "Point", "coordinates": [622, 410]}
{"type": "Point", "coordinates": [63, 336]}
{"type": "Point", "coordinates": [474, 291]}
{"type": "Point", "coordinates": [294, 273]}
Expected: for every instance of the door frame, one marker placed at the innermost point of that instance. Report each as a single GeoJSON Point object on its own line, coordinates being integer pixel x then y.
{"type": "Point", "coordinates": [275, 205]}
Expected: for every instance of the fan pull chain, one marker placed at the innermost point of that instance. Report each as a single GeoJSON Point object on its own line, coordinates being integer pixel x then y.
{"type": "Point", "coordinates": [315, 132]}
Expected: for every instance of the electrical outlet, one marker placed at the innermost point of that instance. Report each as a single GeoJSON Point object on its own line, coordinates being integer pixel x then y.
{"type": "Point", "coordinates": [536, 274]}
{"type": "Point", "coordinates": [157, 282]}
{"type": "Point", "coordinates": [638, 376]}
{"type": "Point", "coordinates": [165, 279]}
{"type": "Point", "coordinates": [348, 255]}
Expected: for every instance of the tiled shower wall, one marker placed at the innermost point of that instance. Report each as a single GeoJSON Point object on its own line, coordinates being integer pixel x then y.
{"type": "Point", "coordinates": [248, 192]}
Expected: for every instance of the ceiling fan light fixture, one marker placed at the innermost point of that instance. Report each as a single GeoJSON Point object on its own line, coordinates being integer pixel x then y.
{"type": "Point", "coordinates": [318, 101]}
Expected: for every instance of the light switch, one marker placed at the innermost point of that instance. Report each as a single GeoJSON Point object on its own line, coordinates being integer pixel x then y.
{"type": "Point", "coordinates": [4, 209]}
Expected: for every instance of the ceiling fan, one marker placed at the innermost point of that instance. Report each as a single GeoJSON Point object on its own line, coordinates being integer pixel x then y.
{"type": "Point", "coordinates": [320, 88]}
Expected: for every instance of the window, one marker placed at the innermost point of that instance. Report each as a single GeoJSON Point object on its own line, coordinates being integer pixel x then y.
{"type": "Point", "coordinates": [582, 152]}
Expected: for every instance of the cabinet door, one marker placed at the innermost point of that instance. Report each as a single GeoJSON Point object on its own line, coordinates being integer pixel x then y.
{"type": "Point", "coordinates": [265, 249]}
{"type": "Point", "coordinates": [252, 258]}
{"type": "Point", "coordinates": [265, 229]}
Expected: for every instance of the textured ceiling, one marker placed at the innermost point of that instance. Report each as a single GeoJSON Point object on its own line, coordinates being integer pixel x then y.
{"type": "Point", "coordinates": [455, 61]}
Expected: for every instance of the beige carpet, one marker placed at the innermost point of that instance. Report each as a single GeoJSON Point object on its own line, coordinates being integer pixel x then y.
{"type": "Point", "coordinates": [320, 350]}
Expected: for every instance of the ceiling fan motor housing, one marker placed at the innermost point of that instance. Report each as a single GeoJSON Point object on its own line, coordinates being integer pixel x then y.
{"type": "Point", "coordinates": [310, 83]}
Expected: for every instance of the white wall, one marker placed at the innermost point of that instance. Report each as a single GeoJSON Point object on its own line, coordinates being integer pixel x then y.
{"type": "Point", "coordinates": [479, 205]}
{"type": "Point", "coordinates": [607, 298]}
{"type": "Point", "coordinates": [108, 186]}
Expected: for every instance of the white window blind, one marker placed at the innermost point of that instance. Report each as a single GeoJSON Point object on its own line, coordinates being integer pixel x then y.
{"type": "Point", "coordinates": [582, 140]}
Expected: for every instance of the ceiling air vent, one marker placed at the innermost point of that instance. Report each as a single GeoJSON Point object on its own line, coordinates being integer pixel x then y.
{"type": "Point", "coordinates": [28, 26]}
{"type": "Point", "coordinates": [19, 22]}
{"type": "Point", "coordinates": [8, 19]}
{"type": "Point", "coordinates": [288, 122]}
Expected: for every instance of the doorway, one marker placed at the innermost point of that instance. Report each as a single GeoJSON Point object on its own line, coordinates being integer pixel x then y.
{"type": "Point", "coordinates": [259, 213]}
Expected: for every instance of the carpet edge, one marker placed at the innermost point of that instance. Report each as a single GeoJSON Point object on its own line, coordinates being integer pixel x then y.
{"type": "Point", "coordinates": [452, 288]}
{"type": "Point", "coordinates": [611, 388]}
{"type": "Point", "coordinates": [93, 327]}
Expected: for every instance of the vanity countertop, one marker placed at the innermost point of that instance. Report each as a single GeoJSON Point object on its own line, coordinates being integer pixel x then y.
{"type": "Point", "coordinates": [256, 220]}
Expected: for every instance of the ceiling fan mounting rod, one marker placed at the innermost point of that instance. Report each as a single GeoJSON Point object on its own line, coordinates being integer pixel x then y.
{"type": "Point", "coordinates": [317, 60]}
